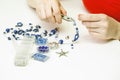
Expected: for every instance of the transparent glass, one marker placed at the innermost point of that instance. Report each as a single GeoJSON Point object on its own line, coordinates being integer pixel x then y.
{"type": "Point", "coordinates": [23, 50]}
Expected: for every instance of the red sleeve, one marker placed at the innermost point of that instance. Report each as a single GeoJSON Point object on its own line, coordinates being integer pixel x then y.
{"type": "Point", "coordinates": [109, 7]}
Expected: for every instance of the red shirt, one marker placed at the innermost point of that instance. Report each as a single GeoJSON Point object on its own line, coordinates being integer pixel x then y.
{"type": "Point", "coordinates": [109, 7]}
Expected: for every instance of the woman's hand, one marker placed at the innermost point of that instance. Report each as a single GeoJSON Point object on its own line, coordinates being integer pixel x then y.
{"type": "Point", "coordinates": [48, 10]}
{"type": "Point", "coordinates": [101, 25]}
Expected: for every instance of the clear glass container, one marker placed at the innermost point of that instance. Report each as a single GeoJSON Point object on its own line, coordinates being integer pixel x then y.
{"type": "Point", "coordinates": [23, 48]}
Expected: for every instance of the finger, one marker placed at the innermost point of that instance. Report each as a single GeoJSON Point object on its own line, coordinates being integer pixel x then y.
{"type": "Point", "coordinates": [91, 24]}
{"type": "Point", "coordinates": [96, 34]}
{"type": "Point", "coordinates": [99, 33]}
{"type": "Point", "coordinates": [63, 11]}
{"type": "Point", "coordinates": [52, 19]}
{"type": "Point", "coordinates": [93, 30]}
{"type": "Point", "coordinates": [90, 17]}
{"type": "Point", "coordinates": [49, 14]}
{"type": "Point", "coordinates": [58, 18]}
{"type": "Point", "coordinates": [56, 12]}
{"type": "Point", "coordinates": [41, 13]}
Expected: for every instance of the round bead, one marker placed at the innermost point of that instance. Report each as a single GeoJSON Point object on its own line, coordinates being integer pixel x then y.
{"type": "Point", "coordinates": [61, 41]}
{"type": "Point", "coordinates": [19, 24]}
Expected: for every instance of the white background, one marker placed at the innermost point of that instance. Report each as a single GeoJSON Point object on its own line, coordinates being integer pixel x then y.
{"type": "Point", "coordinates": [90, 59]}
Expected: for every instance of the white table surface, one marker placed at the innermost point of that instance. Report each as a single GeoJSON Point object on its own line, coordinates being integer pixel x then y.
{"type": "Point", "coordinates": [89, 60]}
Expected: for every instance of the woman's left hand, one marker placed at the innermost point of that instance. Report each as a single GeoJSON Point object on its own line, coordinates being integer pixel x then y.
{"type": "Point", "coordinates": [101, 25]}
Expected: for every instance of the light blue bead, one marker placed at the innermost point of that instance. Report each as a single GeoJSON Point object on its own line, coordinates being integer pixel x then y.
{"type": "Point", "coordinates": [40, 57]}
{"type": "Point", "coordinates": [41, 41]}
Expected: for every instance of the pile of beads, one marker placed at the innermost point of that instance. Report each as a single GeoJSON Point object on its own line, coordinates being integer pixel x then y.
{"type": "Point", "coordinates": [18, 32]}
{"type": "Point", "coordinates": [40, 38]}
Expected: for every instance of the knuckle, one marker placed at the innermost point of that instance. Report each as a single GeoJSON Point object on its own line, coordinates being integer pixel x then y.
{"type": "Point", "coordinates": [105, 24]}
{"type": "Point", "coordinates": [104, 16]}
{"type": "Point", "coordinates": [56, 12]}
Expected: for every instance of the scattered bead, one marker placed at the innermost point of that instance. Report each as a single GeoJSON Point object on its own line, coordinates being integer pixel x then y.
{"type": "Point", "coordinates": [45, 33]}
{"type": "Point", "coordinates": [7, 30]}
{"type": "Point", "coordinates": [30, 23]}
{"type": "Point", "coordinates": [41, 41]}
{"type": "Point", "coordinates": [76, 28]}
{"type": "Point", "coordinates": [38, 26]}
{"type": "Point", "coordinates": [76, 36]}
{"type": "Point", "coordinates": [20, 32]}
{"type": "Point", "coordinates": [9, 38]}
{"type": "Point", "coordinates": [72, 46]}
{"type": "Point", "coordinates": [53, 32]}
{"type": "Point", "coordinates": [61, 41]}
{"type": "Point", "coordinates": [27, 34]}
{"type": "Point", "coordinates": [19, 24]}
{"type": "Point", "coordinates": [11, 28]}
{"type": "Point", "coordinates": [4, 32]}
{"type": "Point", "coordinates": [28, 30]}
{"type": "Point", "coordinates": [15, 31]}
{"type": "Point", "coordinates": [35, 30]}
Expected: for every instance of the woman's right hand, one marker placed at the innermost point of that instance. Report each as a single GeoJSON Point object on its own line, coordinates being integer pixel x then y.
{"type": "Point", "coordinates": [48, 10]}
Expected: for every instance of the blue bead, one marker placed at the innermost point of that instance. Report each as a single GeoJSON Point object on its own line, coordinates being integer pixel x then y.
{"type": "Point", "coordinates": [19, 24]}
{"type": "Point", "coordinates": [35, 30]}
{"type": "Point", "coordinates": [43, 49]}
{"type": "Point", "coordinates": [13, 35]}
{"type": "Point", "coordinates": [61, 41]}
{"type": "Point", "coordinates": [7, 30]}
{"type": "Point", "coordinates": [53, 31]}
{"type": "Point", "coordinates": [4, 32]}
{"type": "Point", "coordinates": [37, 36]}
{"type": "Point", "coordinates": [9, 38]}
{"type": "Point", "coordinates": [30, 23]}
{"type": "Point", "coordinates": [27, 34]}
{"type": "Point", "coordinates": [71, 44]}
{"type": "Point", "coordinates": [45, 32]}
{"type": "Point", "coordinates": [76, 36]}
{"type": "Point", "coordinates": [38, 26]}
{"type": "Point", "coordinates": [50, 34]}
{"type": "Point", "coordinates": [28, 30]}
{"type": "Point", "coordinates": [41, 41]}
{"type": "Point", "coordinates": [16, 38]}
{"type": "Point", "coordinates": [15, 31]}
{"type": "Point", "coordinates": [76, 28]}
{"type": "Point", "coordinates": [20, 32]}
{"type": "Point", "coordinates": [74, 24]}
{"type": "Point", "coordinates": [11, 28]}
{"type": "Point", "coordinates": [32, 34]}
